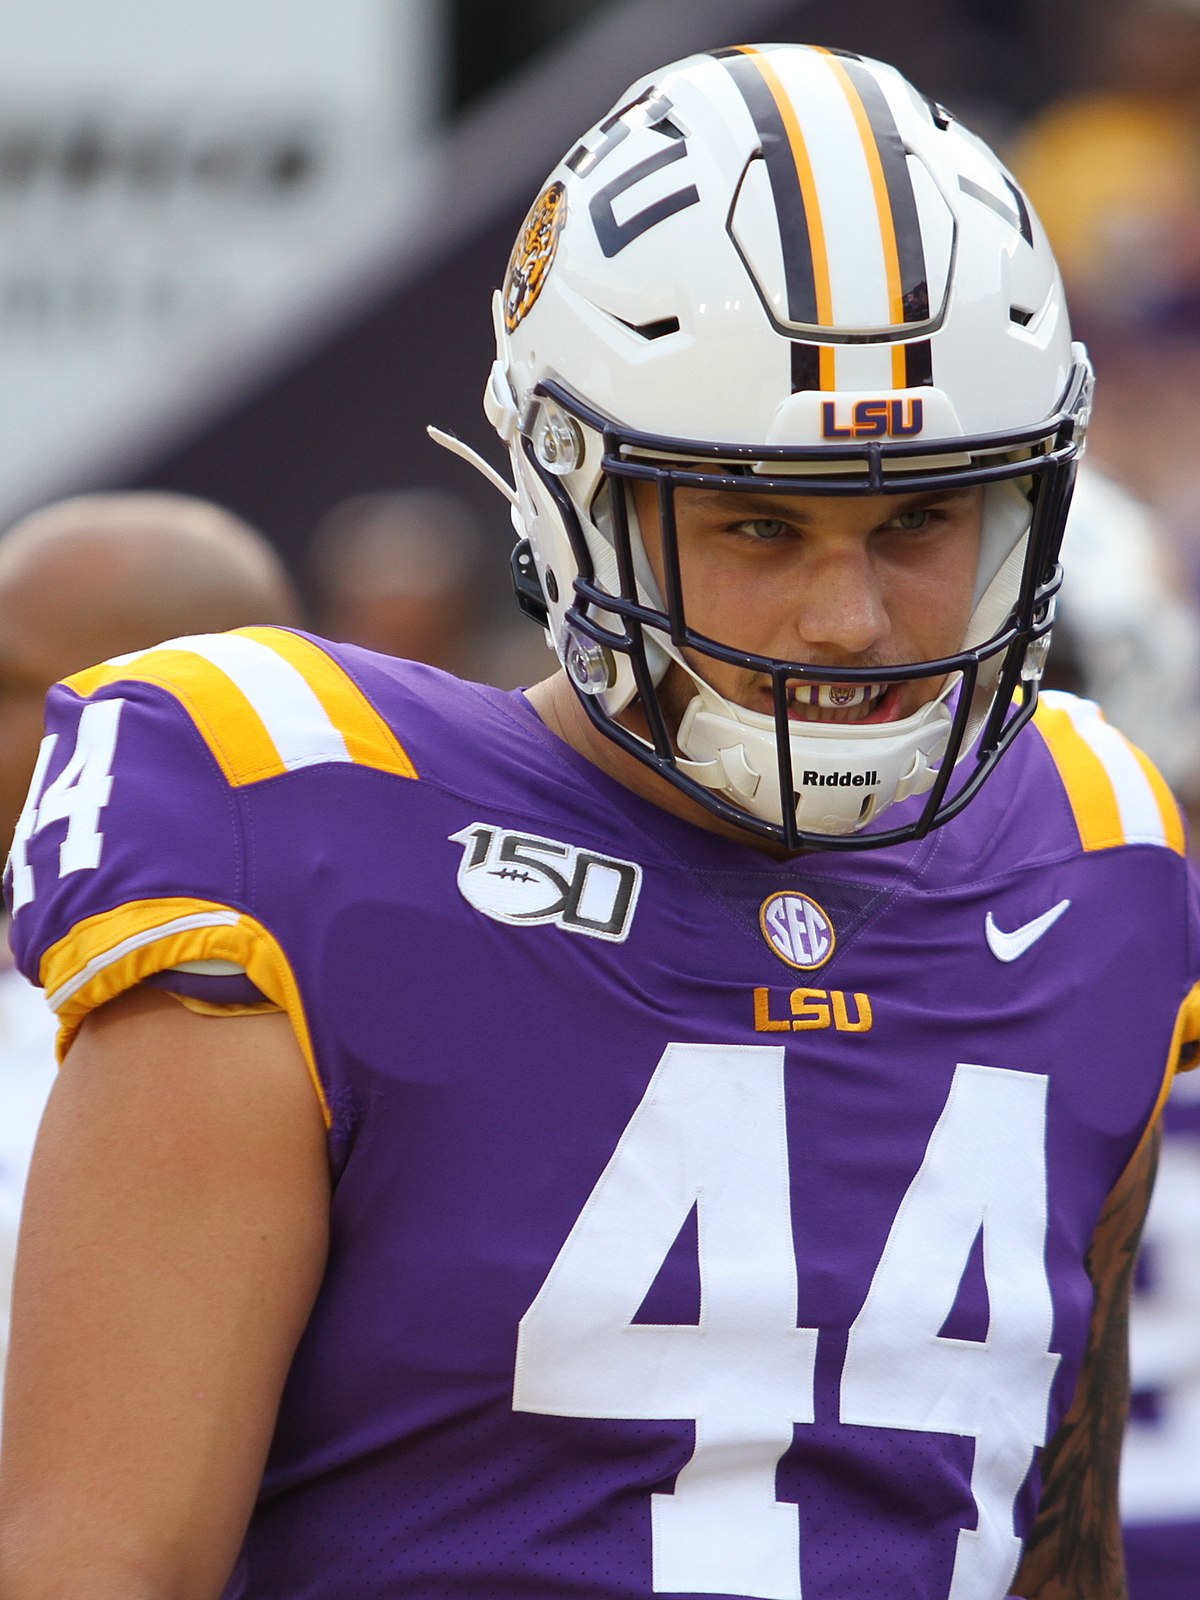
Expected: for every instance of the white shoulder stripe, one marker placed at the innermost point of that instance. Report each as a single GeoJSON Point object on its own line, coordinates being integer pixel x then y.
{"type": "Point", "coordinates": [1137, 804]}
{"type": "Point", "coordinates": [295, 719]}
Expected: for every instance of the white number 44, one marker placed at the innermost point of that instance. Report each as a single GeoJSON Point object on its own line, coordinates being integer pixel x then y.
{"type": "Point", "coordinates": [78, 795]}
{"type": "Point", "coordinates": [711, 1133]}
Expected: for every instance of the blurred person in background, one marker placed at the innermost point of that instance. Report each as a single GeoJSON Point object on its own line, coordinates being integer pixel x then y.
{"type": "Point", "coordinates": [405, 572]}
{"type": "Point", "coordinates": [1127, 637]}
{"type": "Point", "coordinates": [397, 571]}
{"type": "Point", "coordinates": [1160, 1463]}
{"type": "Point", "coordinates": [1115, 173]}
{"type": "Point", "coordinates": [81, 580]}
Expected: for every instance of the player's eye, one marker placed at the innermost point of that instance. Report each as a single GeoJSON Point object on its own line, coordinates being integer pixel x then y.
{"type": "Point", "coordinates": [763, 529]}
{"type": "Point", "coordinates": [912, 521]}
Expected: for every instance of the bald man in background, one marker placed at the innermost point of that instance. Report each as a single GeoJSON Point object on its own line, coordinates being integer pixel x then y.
{"type": "Point", "coordinates": [80, 581]}
{"type": "Point", "coordinates": [104, 574]}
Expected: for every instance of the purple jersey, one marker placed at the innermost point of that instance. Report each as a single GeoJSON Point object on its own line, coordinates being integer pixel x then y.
{"type": "Point", "coordinates": [702, 1223]}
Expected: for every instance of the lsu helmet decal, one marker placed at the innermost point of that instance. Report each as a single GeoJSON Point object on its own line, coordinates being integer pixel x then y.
{"type": "Point", "coordinates": [533, 254]}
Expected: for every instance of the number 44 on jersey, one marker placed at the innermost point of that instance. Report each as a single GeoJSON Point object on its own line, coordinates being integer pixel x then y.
{"type": "Point", "coordinates": [710, 1132]}
{"type": "Point", "coordinates": [77, 796]}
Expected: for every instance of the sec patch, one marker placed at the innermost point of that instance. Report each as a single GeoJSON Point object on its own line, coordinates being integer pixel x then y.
{"type": "Point", "coordinates": [797, 929]}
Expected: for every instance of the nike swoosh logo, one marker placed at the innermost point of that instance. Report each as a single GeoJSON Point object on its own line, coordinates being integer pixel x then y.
{"type": "Point", "coordinates": [1008, 946]}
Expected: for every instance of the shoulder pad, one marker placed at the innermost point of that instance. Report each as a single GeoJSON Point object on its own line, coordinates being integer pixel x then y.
{"type": "Point", "coordinates": [1117, 794]}
{"type": "Point", "coordinates": [265, 700]}
{"type": "Point", "coordinates": [129, 857]}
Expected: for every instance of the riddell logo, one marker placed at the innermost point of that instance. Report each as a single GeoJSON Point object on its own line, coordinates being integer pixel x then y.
{"type": "Point", "coordinates": [840, 780]}
{"type": "Point", "coordinates": [874, 419]}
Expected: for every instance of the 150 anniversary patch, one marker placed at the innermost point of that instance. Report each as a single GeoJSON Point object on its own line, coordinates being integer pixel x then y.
{"type": "Point", "coordinates": [528, 881]}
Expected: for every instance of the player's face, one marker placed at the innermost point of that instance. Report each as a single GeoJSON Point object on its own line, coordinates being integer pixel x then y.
{"type": "Point", "coordinates": [833, 581]}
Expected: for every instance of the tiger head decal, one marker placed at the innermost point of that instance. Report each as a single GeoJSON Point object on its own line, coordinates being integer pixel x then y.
{"type": "Point", "coordinates": [533, 254]}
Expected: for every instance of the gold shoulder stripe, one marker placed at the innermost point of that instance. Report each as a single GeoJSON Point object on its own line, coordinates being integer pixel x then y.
{"type": "Point", "coordinates": [231, 727]}
{"type": "Point", "coordinates": [104, 955]}
{"type": "Point", "coordinates": [210, 1008]}
{"type": "Point", "coordinates": [1116, 795]}
{"type": "Point", "coordinates": [1172, 819]}
{"type": "Point", "coordinates": [369, 739]}
{"type": "Point", "coordinates": [1092, 798]}
{"type": "Point", "coordinates": [1188, 1031]}
{"type": "Point", "coordinates": [266, 702]}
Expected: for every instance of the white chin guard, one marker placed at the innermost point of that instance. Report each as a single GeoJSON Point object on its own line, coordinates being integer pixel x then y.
{"type": "Point", "coordinates": [842, 778]}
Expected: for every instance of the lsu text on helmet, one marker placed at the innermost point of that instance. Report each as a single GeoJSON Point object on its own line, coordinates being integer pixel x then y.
{"type": "Point", "coordinates": [782, 268]}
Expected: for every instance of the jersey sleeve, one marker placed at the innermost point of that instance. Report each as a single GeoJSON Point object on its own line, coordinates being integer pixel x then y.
{"type": "Point", "coordinates": [130, 859]}
{"type": "Point", "coordinates": [128, 856]}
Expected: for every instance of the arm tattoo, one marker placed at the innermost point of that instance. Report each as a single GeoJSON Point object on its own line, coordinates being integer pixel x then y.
{"type": "Point", "coordinates": [1074, 1549]}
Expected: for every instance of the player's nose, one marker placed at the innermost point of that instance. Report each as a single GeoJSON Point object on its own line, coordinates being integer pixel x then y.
{"type": "Point", "coordinates": [838, 607]}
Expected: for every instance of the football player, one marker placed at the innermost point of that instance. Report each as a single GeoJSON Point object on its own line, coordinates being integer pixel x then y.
{"type": "Point", "coordinates": [685, 1129]}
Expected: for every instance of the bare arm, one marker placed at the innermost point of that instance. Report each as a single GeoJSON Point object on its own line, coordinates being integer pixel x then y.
{"type": "Point", "coordinates": [174, 1236]}
{"type": "Point", "coordinates": [1074, 1550]}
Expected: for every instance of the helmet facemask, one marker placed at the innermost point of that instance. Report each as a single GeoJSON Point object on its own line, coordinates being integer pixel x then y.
{"type": "Point", "coordinates": [804, 784]}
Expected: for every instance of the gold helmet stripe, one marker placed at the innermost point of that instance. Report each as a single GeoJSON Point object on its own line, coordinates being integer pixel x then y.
{"type": "Point", "coordinates": [883, 207]}
{"type": "Point", "coordinates": [822, 280]}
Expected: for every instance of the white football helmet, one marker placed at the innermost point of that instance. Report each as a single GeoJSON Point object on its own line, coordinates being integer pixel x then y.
{"type": "Point", "coordinates": [782, 268]}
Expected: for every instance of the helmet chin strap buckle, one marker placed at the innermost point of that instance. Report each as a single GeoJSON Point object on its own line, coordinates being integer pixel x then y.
{"type": "Point", "coordinates": [727, 768]}
{"type": "Point", "coordinates": [1034, 663]}
{"type": "Point", "coordinates": [499, 403]}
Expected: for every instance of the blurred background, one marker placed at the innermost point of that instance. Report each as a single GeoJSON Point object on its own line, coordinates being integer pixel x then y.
{"type": "Point", "coordinates": [247, 250]}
